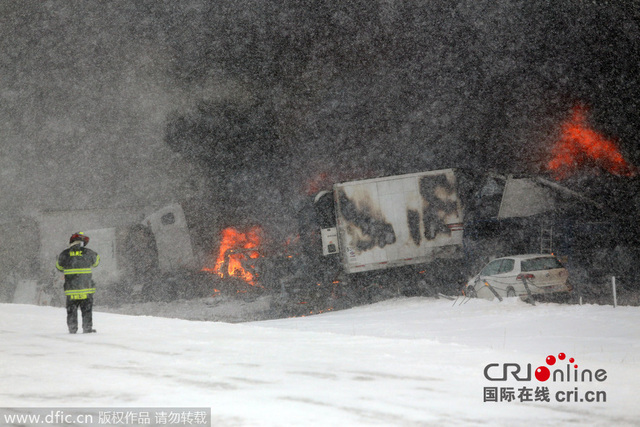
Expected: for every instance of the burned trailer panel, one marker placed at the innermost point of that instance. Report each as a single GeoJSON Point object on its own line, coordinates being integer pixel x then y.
{"type": "Point", "coordinates": [398, 221]}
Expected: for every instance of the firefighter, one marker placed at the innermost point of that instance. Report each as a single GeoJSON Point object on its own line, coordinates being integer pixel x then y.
{"type": "Point", "coordinates": [76, 263]}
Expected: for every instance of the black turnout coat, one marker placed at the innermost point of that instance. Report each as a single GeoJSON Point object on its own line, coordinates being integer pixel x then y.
{"type": "Point", "coordinates": [76, 263]}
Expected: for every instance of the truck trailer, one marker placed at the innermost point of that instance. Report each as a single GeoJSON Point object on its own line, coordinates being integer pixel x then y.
{"type": "Point", "coordinates": [383, 224]}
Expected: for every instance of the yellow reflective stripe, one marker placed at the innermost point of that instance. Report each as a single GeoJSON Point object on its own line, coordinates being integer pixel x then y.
{"type": "Point", "coordinates": [80, 291]}
{"type": "Point", "coordinates": [59, 267]}
{"type": "Point", "coordinates": [77, 271]}
{"type": "Point", "coordinates": [76, 294]}
{"type": "Point", "coordinates": [97, 261]}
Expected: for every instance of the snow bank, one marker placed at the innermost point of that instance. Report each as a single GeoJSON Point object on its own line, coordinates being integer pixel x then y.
{"type": "Point", "coordinates": [412, 361]}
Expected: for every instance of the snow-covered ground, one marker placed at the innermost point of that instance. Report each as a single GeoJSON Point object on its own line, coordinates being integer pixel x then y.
{"type": "Point", "coordinates": [410, 361]}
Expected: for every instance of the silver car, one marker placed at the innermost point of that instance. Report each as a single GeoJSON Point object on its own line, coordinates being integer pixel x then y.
{"type": "Point", "coordinates": [519, 275]}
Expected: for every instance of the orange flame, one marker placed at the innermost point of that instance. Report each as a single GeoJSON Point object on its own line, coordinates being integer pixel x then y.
{"type": "Point", "coordinates": [317, 183]}
{"type": "Point", "coordinates": [236, 247]}
{"type": "Point", "coordinates": [579, 143]}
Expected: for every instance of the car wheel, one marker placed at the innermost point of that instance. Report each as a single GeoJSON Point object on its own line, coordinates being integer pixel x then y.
{"type": "Point", "coordinates": [511, 293]}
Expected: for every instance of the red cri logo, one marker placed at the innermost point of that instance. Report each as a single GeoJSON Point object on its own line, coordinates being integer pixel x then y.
{"type": "Point", "coordinates": [561, 372]}
{"type": "Point", "coordinates": [543, 373]}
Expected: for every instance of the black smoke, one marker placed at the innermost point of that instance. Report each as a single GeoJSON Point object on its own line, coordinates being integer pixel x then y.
{"type": "Point", "coordinates": [235, 107]}
{"type": "Point", "coordinates": [401, 86]}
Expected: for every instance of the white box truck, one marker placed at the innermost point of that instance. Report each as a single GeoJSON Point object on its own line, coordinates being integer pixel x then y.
{"type": "Point", "coordinates": [392, 221]}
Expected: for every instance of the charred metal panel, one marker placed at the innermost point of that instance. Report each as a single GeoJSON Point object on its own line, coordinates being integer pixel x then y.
{"type": "Point", "coordinates": [398, 220]}
{"type": "Point", "coordinates": [373, 229]}
{"type": "Point", "coordinates": [440, 202]}
{"type": "Point", "coordinates": [413, 220]}
{"type": "Point", "coordinates": [325, 209]}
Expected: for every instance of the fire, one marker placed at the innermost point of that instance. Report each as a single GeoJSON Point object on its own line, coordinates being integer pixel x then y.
{"type": "Point", "coordinates": [236, 247]}
{"type": "Point", "coordinates": [318, 182]}
{"type": "Point", "coordinates": [579, 143]}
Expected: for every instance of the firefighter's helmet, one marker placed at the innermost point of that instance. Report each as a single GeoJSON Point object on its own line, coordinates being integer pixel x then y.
{"type": "Point", "coordinates": [79, 237]}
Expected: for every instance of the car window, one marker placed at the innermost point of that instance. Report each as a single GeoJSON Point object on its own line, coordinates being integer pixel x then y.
{"type": "Point", "coordinates": [492, 268]}
{"type": "Point", "coordinates": [506, 266]}
{"type": "Point", "coordinates": [543, 263]}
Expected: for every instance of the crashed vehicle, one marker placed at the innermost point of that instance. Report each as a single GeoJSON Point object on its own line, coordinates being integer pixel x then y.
{"type": "Point", "coordinates": [411, 223]}
{"type": "Point", "coordinates": [519, 275]}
